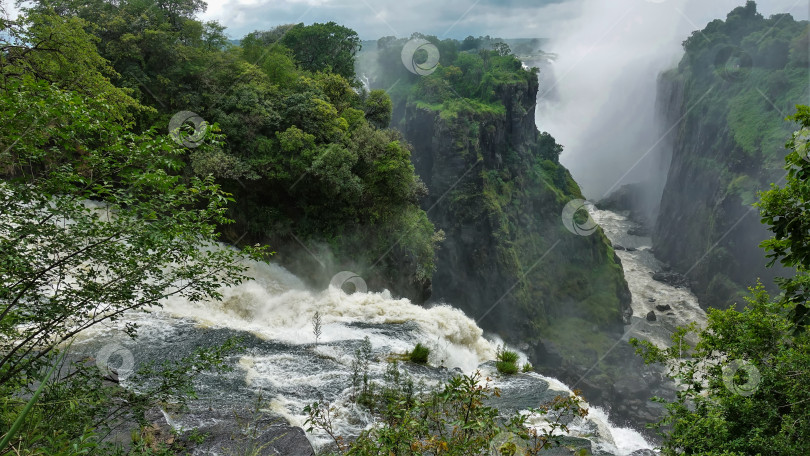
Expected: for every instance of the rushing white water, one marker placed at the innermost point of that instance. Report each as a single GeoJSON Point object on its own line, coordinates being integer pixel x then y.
{"type": "Point", "coordinates": [277, 306]}
{"type": "Point", "coordinates": [283, 362]}
{"type": "Point", "coordinates": [639, 265]}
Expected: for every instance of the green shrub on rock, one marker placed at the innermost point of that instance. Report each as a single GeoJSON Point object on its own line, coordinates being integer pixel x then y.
{"type": "Point", "coordinates": [419, 354]}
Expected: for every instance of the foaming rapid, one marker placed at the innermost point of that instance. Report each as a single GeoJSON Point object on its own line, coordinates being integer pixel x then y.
{"type": "Point", "coordinates": [276, 305]}
{"type": "Point", "coordinates": [673, 306]}
{"type": "Point", "coordinates": [285, 367]}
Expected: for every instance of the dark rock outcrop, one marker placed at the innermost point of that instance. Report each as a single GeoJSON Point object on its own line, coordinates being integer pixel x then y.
{"type": "Point", "coordinates": [637, 201]}
{"type": "Point", "coordinates": [508, 260]}
{"type": "Point", "coordinates": [225, 434]}
{"type": "Point", "coordinates": [671, 278]}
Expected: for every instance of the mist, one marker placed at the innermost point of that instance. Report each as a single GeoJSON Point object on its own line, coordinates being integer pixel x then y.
{"type": "Point", "coordinates": [599, 100]}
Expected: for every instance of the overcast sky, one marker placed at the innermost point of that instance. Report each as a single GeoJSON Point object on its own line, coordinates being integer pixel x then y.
{"type": "Point", "coordinates": [454, 18]}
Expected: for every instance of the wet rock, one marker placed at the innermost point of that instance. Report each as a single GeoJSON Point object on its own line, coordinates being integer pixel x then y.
{"type": "Point", "coordinates": [631, 249]}
{"type": "Point", "coordinates": [618, 247]}
{"type": "Point", "coordinates": [522, 389]}
{"type": "Point", "coordinates": [651, 316]}
{"type": "Point", "coordinates": [671, 278]}
{"type": "Point", "coordinates": [248, 434]}
{"type": "Point", "coordinates": [650, 299]}
{"type": "Point", "coordinates": [639, 231]}
{"type": "Point", "coordinates": [662, 307]}
{"type": "Point", "coordinates": [644, 453]}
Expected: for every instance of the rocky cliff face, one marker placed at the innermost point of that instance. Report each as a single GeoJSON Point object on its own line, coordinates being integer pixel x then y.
{"type": "Point", "coordinates": [498, 192]}
{"type": "Point", "coordinates": [728, 99]}
{"type": "Point", "coordinates": [707, 227]}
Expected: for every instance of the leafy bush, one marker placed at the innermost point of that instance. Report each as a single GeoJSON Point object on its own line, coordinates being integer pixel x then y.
{"type": "Point", "coordinates": [528, 367]}
{"type": "Point", "coordinates": [452, 420]}
{"type": "Point", "coordinates": [506, 361]}
{"type": "Point", "coordinates": [419, 354]}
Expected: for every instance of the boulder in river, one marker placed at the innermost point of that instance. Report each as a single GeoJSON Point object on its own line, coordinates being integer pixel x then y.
{"type": "Point", "coordinates": [639, 231]}
{"type": "Point", "coordinates": [662, 307]}
{"type": "Point", "coordinates": [671, 278]}
{"type": "Point", "coordinates": [651, 316]}
{"type": "Point", "coordinates": [241, 432]}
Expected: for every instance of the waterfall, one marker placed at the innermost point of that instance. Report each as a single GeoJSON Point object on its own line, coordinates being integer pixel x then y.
{"type": "Point", "coordinates": [275, 310]}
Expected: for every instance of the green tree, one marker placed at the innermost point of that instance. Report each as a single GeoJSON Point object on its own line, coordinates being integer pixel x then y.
{"type": "Point", "coordinates": [321, 47]}
{"type": "Point", "coordinates": [58, 50]}
{"type": "Point", "coordinates": [96, 223]}
{"type": "Point", "coordinates": [378, 108]}
{"type": "Point", "coordinates": [786, 211]}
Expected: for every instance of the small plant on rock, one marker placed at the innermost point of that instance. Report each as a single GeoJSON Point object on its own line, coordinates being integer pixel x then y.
{"type": "Point", "coordinates": [419, 354]}
{"type": "Point", "coordinates": [506, 361]}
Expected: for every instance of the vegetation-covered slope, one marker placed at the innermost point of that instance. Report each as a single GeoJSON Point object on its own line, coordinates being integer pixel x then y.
{"type": "Point", "coordinates": [736, 83]}
{"type": "Point", "coordinates": [308, 158]}
{"type": "Point", "coordinates": [498, 191]}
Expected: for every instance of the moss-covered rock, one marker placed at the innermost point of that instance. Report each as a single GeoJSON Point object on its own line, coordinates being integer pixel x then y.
{"type": "Point", "coordinates": [498, 191]}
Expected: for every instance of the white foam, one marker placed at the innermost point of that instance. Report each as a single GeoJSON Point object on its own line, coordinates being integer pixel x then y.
{"type": "Point", "coordinates": [625, 440]}
{"type": "Point", "coordinates": [277, 306]}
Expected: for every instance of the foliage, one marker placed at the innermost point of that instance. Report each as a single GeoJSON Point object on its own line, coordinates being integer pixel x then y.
{"type": "Point", "coordinates": [378, 108]}
{"type": "Point", "coordinates": [321, 47]}
{"type": "Point", "coordinates": [451, 420]}
{"type": "Point", "coordinates": [786, 211]}
{"type": "Point", "coordinates": [96, 222]}
{"type": "Point", "coordinates": [419, 354]}
{"type": "Point", "coordinates": [710, 415]}
{"type": "Point", "coordinates": [307, 156]}
{"type": "Point", "coordinates": [57, 50]}
{"type": "Point", "coordinates": [18, 422]}
{"type": "Point", "coordinates": [361, 380]}
{"type": "Point", "coordinates": [743, 383]}
{"type": "Point", "coordinates": [506, 361]}
{"type": "Point", "coordinates": [317, 328]}
{"type": "Point", "coordinates": [465, 78]}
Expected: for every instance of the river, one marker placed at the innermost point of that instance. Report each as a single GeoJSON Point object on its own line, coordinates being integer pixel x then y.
{"type": "Point", "coordinates": [283, 365]}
